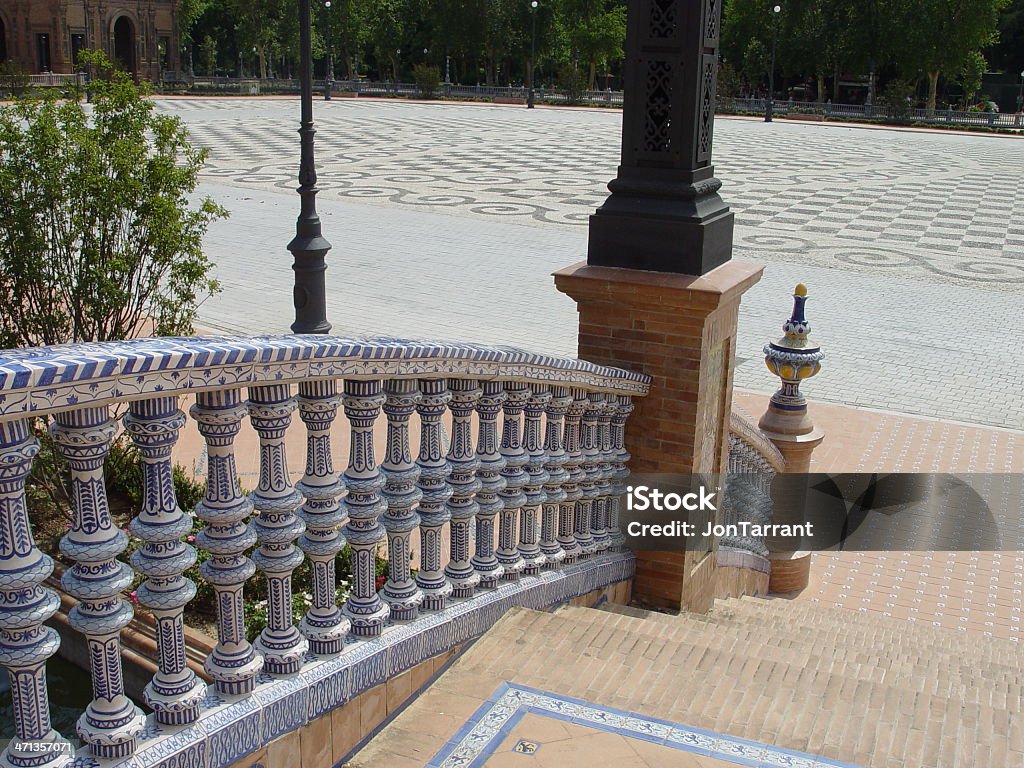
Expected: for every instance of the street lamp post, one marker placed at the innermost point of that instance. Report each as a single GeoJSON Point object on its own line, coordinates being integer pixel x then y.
{"type": "Point", "coordinates": [329, 80]}
{"type": "Point", "coordinates": [447, 70]}
{"type": "Point", "coordinates": [309, 246]}
{"type": "Point", "coordinates": [1020, 96]}
{"type": "Point", "coordinates": [770, 104]}
{"type": "Point", "coordinates": [533, 50]}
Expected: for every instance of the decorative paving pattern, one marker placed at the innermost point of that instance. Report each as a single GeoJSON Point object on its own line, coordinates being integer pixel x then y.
{"type": "Point", "coordinates": [478, 739]}
{"type": "Point", "coordinates": [944, 205]}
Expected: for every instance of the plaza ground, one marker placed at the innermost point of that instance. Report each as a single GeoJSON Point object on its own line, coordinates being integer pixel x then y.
{"type": "Point", "coordinates": [447, 221]}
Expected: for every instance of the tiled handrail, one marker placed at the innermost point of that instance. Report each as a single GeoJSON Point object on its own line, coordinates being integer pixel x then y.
{"type": "Point", "coordinates": [753, 462]}
{"type": "Point", "coordinates": [553, 474]}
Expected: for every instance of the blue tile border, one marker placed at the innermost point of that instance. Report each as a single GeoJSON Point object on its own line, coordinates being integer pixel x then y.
{"type": "Point", "coordinates": [231, 727]}
{"type": "Point", "coordinates": [477, 739]}
{"type": "Point", "coordinates": [39, 380]}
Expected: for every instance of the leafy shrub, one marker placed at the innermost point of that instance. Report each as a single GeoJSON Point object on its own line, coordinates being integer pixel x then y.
{"type": "Point", "coordinates": [427, 79]}
{"type": "Point", "coordinates": [100, 240]}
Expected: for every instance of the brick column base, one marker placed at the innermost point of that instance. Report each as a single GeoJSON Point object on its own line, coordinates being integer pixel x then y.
{"type": "Point", "coordinates": [681, 331]}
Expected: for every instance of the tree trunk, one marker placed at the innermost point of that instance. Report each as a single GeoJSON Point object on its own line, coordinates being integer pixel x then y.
{"type": "Point", "coordinates": [593, 76]}
{"type": "Point", "coordinates": [835, 83]}
{"type": "Point", "coordinates": [933, 90]}
{"type": "Point", "coordinates": [261, 53]}
{"type": "Point", "coordinates": [821, 87]}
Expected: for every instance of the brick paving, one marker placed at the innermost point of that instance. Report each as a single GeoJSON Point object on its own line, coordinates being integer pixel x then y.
{"type": "Point", "coordinates": [972, 592]}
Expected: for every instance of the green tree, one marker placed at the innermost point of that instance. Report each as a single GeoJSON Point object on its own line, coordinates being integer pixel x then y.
{"type": "Point", "coordinates": [941, 35]}
{"type": "Point", "coordinates": [595, 32]}
{"type": "Point", "coordinates": [971, 72]}
{"type": "Point", "coordinates": [99, 237]}
{"type": "Point", "coordinates": [387, 32]}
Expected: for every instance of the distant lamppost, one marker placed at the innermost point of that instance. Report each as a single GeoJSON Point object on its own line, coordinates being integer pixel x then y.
{"type": "Point", "coordinates": [533, 50]}
{"type": "Point", "coordinates": [770, 105]}
{"type": "Point", "coordinates": [329, 80]}
{"type": "Point", "coordinates": [447, 70]}
{"type": "Point", "coordinates": [1020, 96]}
{"type": "Point", "coordinates": [309, 246]}
{"type": "Point", "coordinates": [255, 62]}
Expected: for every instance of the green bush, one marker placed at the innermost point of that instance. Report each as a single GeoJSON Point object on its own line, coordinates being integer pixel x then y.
{"type": "Point", "coordinates": [100, 239]}
{"type": "Point", "coordinates": [427, 79]}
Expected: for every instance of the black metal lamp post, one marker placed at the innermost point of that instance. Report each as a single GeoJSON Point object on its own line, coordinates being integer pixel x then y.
{"type": "Point", "coordinates": [533, 50]}
{"type": "Point", "coordinates": [309, 246]}
{"type": "Point", "coordinates": [329, 80]}
{"type": "Point", "coordinates": [770, 105]}
{"type": "Point", "coordinates": [1020, 96]}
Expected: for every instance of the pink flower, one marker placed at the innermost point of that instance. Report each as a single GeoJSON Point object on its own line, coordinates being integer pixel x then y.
{"type": "Point", "coordinates": [69, 526]}
{"type": "Point", "coordinates": [190, 539]}
{"type": "Point", "coordinates": [134, 597]}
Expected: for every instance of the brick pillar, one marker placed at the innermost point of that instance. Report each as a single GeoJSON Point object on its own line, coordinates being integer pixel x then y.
{"type": "Point", "coordinates": [681, 330]}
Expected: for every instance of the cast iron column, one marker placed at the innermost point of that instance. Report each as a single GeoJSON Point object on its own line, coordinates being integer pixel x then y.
{"type": "Point", "coordinates": [309, 246]}
{"type": "Point", "coordinates": [664, 212]}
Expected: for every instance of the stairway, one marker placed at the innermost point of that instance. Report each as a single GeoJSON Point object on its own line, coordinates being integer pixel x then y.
{"type": "Point", "coordinates": [850, 687]}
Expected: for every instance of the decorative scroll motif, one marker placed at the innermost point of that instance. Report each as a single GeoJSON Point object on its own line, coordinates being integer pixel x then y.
{"type": "Point", "coordinates": [706, 119]}
{"type": "Point", "coordinates": [234, 663]}
{"type": "Point", "coordinates": [554, 487]}
{"type": "Point", "coordinates": [465, 484]}
{"type": "Point", "coordinates": [537, 476]}
{"type": "Point", "coordinates": [364, 608]}
{"type": "Point", "coordinates": [111, 723]}
{"type": "Point", "coordinates": [25, 644]}
{"type": "Point", "coordinates": [323, 626]}
{"type": "Point", "coordinates": [175, 692]}
{"type": "Point", "coordinates": [277, 527]}
{"type": "Point", "coordinates": [400, 592]}
{"type": "Point", "coordinates": [658, 99]}
{"type": "Point", "coordinates": [492, 482]}
{"type": "Point", "coordinates": [512, 496]}
{"type": "Point", "coordinates": [663, 18]}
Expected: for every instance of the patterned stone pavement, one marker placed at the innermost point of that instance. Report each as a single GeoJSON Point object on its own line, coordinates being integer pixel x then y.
{"type": "Point", "coordinates": [912, 242]}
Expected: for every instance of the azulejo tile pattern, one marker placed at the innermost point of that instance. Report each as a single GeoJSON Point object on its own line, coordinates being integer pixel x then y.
{"type": "Point", "coordinates": [42, 380]}
{"type": "Point", "coordinates": [231, 727]}
{"type": "Point", "coordinates": [476, 741]}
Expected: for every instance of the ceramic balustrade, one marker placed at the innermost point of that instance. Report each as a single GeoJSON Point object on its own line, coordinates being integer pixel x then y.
{"type": "Point", "coordinates": [538, 477]}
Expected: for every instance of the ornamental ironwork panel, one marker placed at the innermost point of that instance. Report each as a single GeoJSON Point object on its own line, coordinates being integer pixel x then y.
{"type": "Point", "coordinates": [658, 100]}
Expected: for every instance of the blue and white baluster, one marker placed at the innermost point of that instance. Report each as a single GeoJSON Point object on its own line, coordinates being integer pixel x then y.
{"type": "Point", "coordinates": [603, 487]}
{"type": "Point", "coordinates": [111, 723]}
{"type": "Point", "coordinates": [400, 592]}
{"type": "Point", "coordinates": [464, 484]}
{"type": "Point", "coordinates": [25, 644]}
{"type": "Point", "coordinates": [433, 508]}
{"type": "Point", "coordinates": [588, 483]}
{"type": "Point", "coordinates": [569, 508]}
{"type": "Point", "coordinates": [364, 608]}
{"type": "Point", "coordinates": [536, 477]}
{"type": "Point", "coordinates": [491, 484]}
{"type": "Point", "coordinates": [555, 458]}
{"type": "Point", "coordinates": [620, 469]}
{"type": "Point", "coordinates": [277, 528]}
{"type": "Point", "coordinates": [512, 497]}
{"type": "Point", "coordinates": [175, 693]}
{"type": "Point", "coordinates": [323, 626]}
{"type": "Point", "coordinates": [234, 663]}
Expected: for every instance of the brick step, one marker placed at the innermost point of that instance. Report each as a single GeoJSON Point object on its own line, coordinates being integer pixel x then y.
{"type": "Point", "coordinates": [843, 710]}
{"type": "Point", "coordinates": [890, 662]}
{"type": "Point", "coordinates": [830, 624]}
{"type": "Point", "coordinates": [995, 649]}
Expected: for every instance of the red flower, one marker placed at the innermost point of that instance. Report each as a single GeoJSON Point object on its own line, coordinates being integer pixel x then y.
{"type": "Point", "coordinates": [381, 581]}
